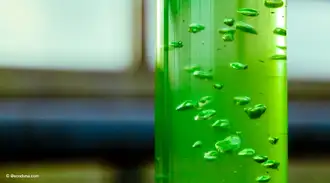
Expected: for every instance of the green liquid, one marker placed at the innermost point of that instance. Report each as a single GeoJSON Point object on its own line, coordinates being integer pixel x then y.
{"type": "Point", "coordinates": [221, 105]}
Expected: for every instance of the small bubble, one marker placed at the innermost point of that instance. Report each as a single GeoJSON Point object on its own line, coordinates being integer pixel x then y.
{"type": "Point", "coordinates": [238, 66]}
{"type": "Point", "coordinates": [272, 164]}
{"type": "Point", "coordinates": [260, 106]}
{"type": "Point", "coordinates": [228, 37]}
{"type": "Point", "coordinates": [176, 44]}
{"type": "Point", "coordinates": [256, 111]}
{"type": "Point", "coordinates": [211, 155]}
{"type": "Point", "coordinates": [247, 152]}
{"type": "Point", "coordinates": [205, 114]}
{"type": "Point", "coordinates": [279, 31]}
{"type": "Point", "coordinates": [235, 171]}
{"type": "Point", "coordinates": [238, 133]}
{"type": "Point", "coordinates": [263, 178]}
{"type": "Point", "coordinates": [281, 47]}
{"type": "Point", "coordinates": [195, 28]}
{"type": "Point", "coordinates": [188, 104]}
{"type": "Point", "coordinates": [221, 123]}
{"type": "Point", "coordinates": [242, 100]}
{"type": "Point", "coordinates": [197, 144]}
{"type": "Point", "coordinates": [273, 3]}
{"type": "Point", "coordinates": [227, 30]}
{"type": "Point", "coordinates": [229, 21]}
{"type": "Point", "coordinates": [192, 68]}
{"type": "Point", "coordinates": [273, 140]}
{"type": "Point", "coordinates": [230, 143]}
{"type": "Point", "coordinates": [278, 57]}
{"type": "Point", "coordinates": [204, 101]}
{"type": "Point", "coordinates": [248, 12]}
{"type": "Point", "coordinates": [242, 26]}
{"type": "Point", "coordinates": [203, 75]}
{"type": "Point", "coordinates": [260, 158]}
{"type": "Point", "coordinates": [218, 86]}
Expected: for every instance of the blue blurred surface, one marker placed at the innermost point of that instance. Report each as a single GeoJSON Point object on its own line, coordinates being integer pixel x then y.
{"type": "Point", "coordinates": [85, 124]}
{"type": "Point", "coordinates": [124, 111]}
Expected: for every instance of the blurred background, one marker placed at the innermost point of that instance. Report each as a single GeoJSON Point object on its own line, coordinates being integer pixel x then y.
{"type": "Point", "coordinates": [76, 90]}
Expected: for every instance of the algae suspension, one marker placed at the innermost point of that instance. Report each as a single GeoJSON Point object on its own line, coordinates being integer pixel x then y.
{"type": "Point", "coordinates": [221, 91]}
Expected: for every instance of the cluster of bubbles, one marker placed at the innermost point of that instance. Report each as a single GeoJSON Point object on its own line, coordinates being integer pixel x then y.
{"type": "Point", "coordinates": [228, 32]}
{"type": "Point", "coordinates": [232, 143]}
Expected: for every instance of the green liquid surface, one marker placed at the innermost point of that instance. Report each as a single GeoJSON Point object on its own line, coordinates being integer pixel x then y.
{"type": "Point", "coordinates": [221, 101]}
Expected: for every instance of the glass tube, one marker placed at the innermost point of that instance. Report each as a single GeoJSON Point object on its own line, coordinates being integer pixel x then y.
{"type": "Point", "coordinates": [221, 91]}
